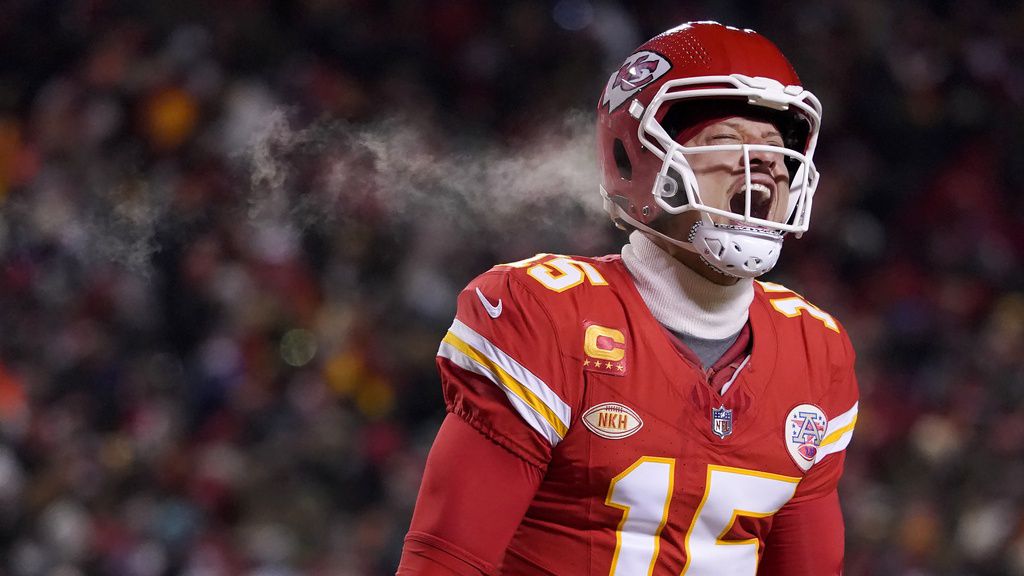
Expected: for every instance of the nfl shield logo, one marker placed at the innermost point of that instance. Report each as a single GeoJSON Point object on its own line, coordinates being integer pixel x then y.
{"type": "Point", "coordinates": [721, 421]}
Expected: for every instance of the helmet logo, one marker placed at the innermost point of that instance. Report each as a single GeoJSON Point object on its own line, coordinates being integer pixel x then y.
{"type": "Point", "coordinates": [639, 70]}
{"type": "Point", "coordinates": [637, 74]}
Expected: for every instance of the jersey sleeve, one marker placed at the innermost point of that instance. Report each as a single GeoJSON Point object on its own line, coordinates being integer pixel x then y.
{"type": "Point", "coordinates": [812, 520]}
{"type": "Point", "coordinates": [806, 540]}
{"type": "Point", "coordinates": [502, 368]}
{"type": "Point", "coordinates": [473, 496]}
{"type": "Point", "coordinates": [840, 403]}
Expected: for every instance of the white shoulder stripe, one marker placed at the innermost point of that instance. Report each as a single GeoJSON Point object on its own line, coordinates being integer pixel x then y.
{"type": "Point", "coordinates": [837, 446]}
{"type": "Point", "coordinates": [843, 420]}
{"type": "Point", "coordinates": [525, 411]}
{"type": "Point", "coordinates": [535, 402]}
{"type": "Point", "coordinates": [838, 433]}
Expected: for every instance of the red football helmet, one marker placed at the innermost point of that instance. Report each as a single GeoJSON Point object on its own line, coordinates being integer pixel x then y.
{"type": "Point", "coordinates": [670, 84]}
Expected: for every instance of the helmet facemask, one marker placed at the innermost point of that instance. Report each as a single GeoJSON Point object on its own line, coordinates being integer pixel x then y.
{"type": "Point", "coordinates": [739, 239]}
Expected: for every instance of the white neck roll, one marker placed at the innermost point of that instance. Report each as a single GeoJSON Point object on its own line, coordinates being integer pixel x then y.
{"type": "Point", "coordinates": [681, 299]}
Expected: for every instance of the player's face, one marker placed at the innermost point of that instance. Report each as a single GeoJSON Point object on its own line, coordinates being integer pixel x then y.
{"type": "Point", "coordinates": [721, 175]}
{"type": "Point", "coordinates": [722, 181]}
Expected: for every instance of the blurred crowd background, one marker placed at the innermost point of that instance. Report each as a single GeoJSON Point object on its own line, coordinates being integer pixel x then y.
{"type": "Point", "coordinates": [232, 234]}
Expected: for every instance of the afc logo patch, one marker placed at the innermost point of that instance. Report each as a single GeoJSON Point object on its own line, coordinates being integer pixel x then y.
{"type": "Point", "coordinates": [804, 430]}
{"type": "Point", "coordinates": [639, 70]}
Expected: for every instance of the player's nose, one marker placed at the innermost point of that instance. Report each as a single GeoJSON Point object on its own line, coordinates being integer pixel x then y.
{"type": "Point", "coordinates": [763, 157]}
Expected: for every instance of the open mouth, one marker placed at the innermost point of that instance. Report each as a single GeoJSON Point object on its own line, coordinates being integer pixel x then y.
{"type": "Point", "coordinates": [760, 200]}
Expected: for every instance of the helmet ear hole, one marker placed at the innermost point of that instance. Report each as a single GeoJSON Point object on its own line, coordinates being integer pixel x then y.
{"type": "Point", "coordinates": [622, 160]}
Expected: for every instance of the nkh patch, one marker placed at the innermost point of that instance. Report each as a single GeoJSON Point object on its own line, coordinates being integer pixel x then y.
{"type": "Point", "coordinates": [604, 350]}
{"type": "Point", "coordinates": [721, 421]}
{"type": "Point", "coordinates": [639, 70]}
{"type": "Point", "coordinates": [804, 430]}
{"type": "Point", "coordinates": [612, 420]}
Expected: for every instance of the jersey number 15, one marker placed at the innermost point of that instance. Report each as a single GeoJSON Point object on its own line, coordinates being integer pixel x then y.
{"type": "Point", "coordinates": [644, 491]}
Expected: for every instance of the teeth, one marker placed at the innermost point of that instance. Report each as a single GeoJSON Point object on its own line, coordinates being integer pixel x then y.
{"type": "Point", "coordinates": [762, 189]}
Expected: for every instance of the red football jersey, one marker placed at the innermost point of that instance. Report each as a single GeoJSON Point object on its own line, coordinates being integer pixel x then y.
{"type": "Point", "coordinates": [648, 470]}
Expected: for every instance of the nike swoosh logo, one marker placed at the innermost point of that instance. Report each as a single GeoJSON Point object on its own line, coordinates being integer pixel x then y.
{"type": "Point", "coordinates": [492, 310]}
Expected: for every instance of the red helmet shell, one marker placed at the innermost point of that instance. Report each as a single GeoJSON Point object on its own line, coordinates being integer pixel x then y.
{"type": "Point", "coordinates": [690, 51]}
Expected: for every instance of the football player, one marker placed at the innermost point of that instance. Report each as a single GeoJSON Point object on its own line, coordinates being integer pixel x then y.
{"type": "Point", "coordinates": [659, 411]}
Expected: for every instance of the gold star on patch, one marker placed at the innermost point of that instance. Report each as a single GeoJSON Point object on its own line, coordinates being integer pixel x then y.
{"type": "Point", "coordinates": [586, 362]}
{"type": "Point", "coordinates": [621, 367]}
{"type": "Point", "coordinates": [608, 365]}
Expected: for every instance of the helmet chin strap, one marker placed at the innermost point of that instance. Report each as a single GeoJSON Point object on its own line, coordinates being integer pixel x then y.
{"type": "Point", "coordinates": [735, 251]}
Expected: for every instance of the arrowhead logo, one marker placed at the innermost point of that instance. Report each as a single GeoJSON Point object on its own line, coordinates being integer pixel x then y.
{"type": "Point", "coordinates": [639, 70]}
{"type": "Point", "coordinates": [492, 310]}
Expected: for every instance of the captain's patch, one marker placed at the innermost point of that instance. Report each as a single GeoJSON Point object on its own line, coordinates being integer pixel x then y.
{"type": "Point", "coordinates": [604, 350]}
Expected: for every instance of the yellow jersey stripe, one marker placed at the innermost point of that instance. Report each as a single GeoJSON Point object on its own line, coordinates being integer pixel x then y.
{"type": "Point", "coordinates": [834, 436]}
{"type": "Point", "coordinates": [838, 446]}
{"type": "Point", "coordinates": [519, 372]}
{"type": "Point", "coordinates": [511, 386]}
{"type": "Point", "coordinates": [839, 433]}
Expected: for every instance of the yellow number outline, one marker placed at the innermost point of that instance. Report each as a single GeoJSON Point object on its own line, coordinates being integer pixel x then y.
{"type": "Point", "coordinates": [671, 462]}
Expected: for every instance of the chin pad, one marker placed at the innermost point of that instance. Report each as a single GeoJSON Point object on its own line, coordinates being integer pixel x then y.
{"type": "Point", "coordinates": [736, 251]}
